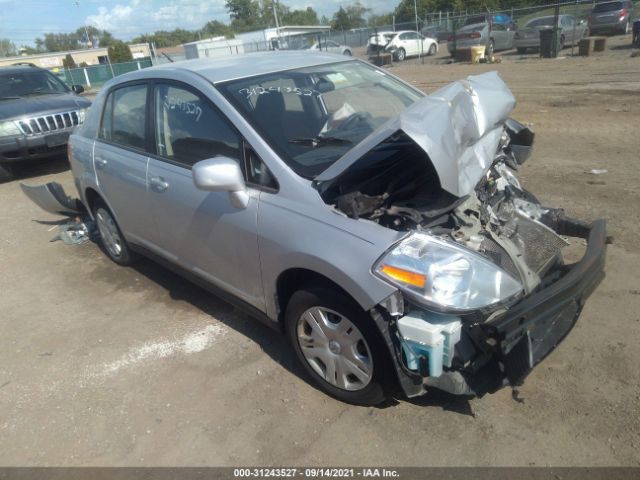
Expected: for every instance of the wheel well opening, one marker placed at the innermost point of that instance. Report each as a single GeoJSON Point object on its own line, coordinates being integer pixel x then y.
{"type": "Point", "coordinates": [294, 279]}
{"type": "Point", "coordinates": [91, 195]}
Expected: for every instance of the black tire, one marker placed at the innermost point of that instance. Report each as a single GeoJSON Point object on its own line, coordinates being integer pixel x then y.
{"type": "Point", "coordinates": [377, 389]}
{"type": "Point", "coordinates": [433, 49]}
{"type": "Point", "coordinates": [562, 40]}
{"type": "Point", "coordinates": [6, 172]}
{"type": "Point", "coordinates": [401, 54]}
{"type": "Point", "coordinates": [122, 256]}
{"type": "Point", "coordinates": [491, 48]}
{"type": "Point", "coordinates": [522, 50]}
{"type": "Point", "coordinates": [347, 53]}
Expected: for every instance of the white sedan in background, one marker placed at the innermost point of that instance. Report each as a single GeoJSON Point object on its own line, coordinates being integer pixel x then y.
{"type": "Point", "coordinates": [408, 43]}
{"type": "Point", "coordinates": [330, 46]}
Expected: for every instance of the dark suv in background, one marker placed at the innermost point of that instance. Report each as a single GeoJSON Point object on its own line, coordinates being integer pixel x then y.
{"type": "Point", "coordinates": [37, 114]}
{"type": "Point", "coordinates": [611, 17]}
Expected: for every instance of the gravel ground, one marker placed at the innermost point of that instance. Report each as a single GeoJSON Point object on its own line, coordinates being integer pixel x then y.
{"type": "Point", "coordinates": [110, 366]}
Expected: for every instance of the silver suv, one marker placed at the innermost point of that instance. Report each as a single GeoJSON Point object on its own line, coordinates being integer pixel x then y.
{"type": "Point", "coordinates": [611, 17]}
{"type": "Point", "coordinates": [382, 230]}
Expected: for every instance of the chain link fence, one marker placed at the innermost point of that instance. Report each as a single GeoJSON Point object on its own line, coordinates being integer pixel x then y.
{"type": "Point", "coordinates": [94, 76]}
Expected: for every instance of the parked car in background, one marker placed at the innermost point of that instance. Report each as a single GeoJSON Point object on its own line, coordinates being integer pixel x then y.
{"type": "Point", "coordinates": [570, 31]}
{"type": "Point", "coordinates": [500, 37]}
{"type": "Point", "coordinates": [439, 32]}
{"type": "Point", "coordinates": [611, 17]}
{"type": "Point", "coordinates": [329, 46]}
{"type": "Point", "coordinates": [383, 231]}
{"type": "Point", "coordinates": [407, 43]}
{"type": "Point", "coordinates": [37, 113]}
{"type": "Point", "coordinates": [378, 41]}
{"type": "Point", "coordinates": [495, 19]}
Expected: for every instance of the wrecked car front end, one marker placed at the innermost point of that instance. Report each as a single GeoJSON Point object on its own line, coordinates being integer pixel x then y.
{"type": "Point", "coordinates": [483, 290]}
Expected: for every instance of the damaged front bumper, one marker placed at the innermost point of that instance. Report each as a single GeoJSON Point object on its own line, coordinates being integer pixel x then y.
{"type": "Point", "coordinates": [509, 345]}
{"type": "Point", "coordinates": [52, 198]}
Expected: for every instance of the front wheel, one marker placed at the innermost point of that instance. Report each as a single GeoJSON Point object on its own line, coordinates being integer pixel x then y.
{"type": "Point", "coordinates": [401, 54]}
{"type": "Point", "coordinates": [347, 53]}
{"type": "Point", "coordinates": [338, 346]}
{"type": "Point", "coordinates": [433, 49]}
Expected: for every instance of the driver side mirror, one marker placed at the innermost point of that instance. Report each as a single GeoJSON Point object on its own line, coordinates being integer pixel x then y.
{"type": "Point", "coordinates": [221, 174]}
{"type": "Point", "coordinates": [77, 89]}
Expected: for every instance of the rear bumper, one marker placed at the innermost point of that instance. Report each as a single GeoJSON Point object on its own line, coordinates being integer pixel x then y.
{"type": "Point", "coordinates": [608, 26]}
{"type": "Point", "coordinates": [20, 148]}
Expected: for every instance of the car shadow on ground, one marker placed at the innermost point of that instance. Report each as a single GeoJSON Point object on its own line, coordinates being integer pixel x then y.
{"type": "Point", "coordinates": [37, 168]}
{"type": "Point", "coordinates": [270, 341]}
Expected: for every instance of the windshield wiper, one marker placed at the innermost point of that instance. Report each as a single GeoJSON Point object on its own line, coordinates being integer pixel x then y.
{"type": "Point", "coordinates": [320, 140]}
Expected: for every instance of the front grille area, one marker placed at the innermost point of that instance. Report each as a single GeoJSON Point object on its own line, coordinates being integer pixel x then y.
{"type": "Point", "coordinates": [49, 123]}
{"type": "Point", "coordinates": [501, 258]}
{"type": "Point", "coordinates": [540, 244]}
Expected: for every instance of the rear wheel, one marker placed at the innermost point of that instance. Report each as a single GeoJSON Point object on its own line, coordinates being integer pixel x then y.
{"type": "Point", "coordinates": [111, 238]}
{"type": "Point", "coordinates": [562, 40]}
{"type": "Point", "coordinates": [347, 53]}
{"type": "Point", "coordinates": [491, 48]}
{"type": "Point", "coordinates": [6, 172]}
{"type": "Point", "coordinates": [433, 49]}
{"type": "Point", "coordinates": [401, 54]}
{"type": "Point", "coordinates": [338, 346]}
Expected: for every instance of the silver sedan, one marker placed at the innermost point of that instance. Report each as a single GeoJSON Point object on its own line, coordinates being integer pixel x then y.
{"type": "Point", "coordinates": [570, 31]}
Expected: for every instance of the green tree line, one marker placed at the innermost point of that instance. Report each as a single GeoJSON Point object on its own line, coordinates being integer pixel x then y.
{"type": "Point", "coordinates": [248, 15]}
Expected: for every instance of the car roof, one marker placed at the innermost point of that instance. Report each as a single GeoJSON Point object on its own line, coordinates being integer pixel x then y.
{"type": "Point", "coordinates": [19, 68]}
{"type": "Point", "coordinates": [232, 67]}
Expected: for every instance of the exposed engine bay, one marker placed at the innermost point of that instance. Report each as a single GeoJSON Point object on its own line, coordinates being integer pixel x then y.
{"type": "Point", "coordinates": [397, 187]}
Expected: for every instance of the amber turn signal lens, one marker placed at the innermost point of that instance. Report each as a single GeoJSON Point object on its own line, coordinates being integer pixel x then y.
{"type": "Point", "coordinates": [405, 276]}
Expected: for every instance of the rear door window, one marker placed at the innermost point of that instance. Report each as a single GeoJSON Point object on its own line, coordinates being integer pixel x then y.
{"type": "Point", "coordinates": [124, 118]}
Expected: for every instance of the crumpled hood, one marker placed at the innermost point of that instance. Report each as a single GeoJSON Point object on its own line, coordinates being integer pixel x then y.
{"type": "Point", "coordinates": [41, 104]}
{"type": "Point", "coordinates": [459, 126]}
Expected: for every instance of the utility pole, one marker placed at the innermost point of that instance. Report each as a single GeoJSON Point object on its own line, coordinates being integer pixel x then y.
{"type": "Point", "coordinates": [415, 8]}
{"type": "Point", "coordinates": [275, 15]}
{"type": "Point", "coordinates": [84, 26]}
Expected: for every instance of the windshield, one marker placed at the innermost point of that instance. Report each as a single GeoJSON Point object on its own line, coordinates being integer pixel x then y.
{"type": "Point", "coordinates": [607, 7]}
{"type": "Point", "coordinates": [20, 84]}
{"type": "Point", "coordinates": [539, 22]}
{"type": "Point", "coordinates": [313, 116]}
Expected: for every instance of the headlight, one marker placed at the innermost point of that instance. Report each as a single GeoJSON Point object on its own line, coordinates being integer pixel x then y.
{"type": "Point", "coordinates": [8, 129]}
{"type": "Point", "coordinates": [82, 114]}
{"type": "Point", "coordinates": [445, 276]}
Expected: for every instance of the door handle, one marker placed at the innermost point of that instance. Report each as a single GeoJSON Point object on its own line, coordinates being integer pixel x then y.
{"type": "Point", "coordinates": [100, 162]}
{"type": "Point", "coordinates": [159, 184]}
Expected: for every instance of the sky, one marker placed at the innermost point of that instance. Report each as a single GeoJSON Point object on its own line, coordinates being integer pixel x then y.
{"type": "Point", "coordinates": [23, 20]}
